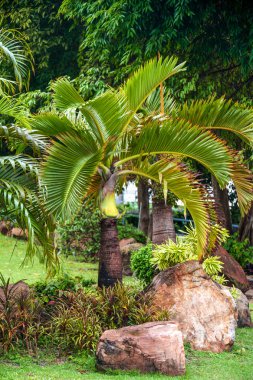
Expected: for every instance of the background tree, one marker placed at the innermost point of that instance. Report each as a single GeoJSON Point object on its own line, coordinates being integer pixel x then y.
{"type": "Point", "coordinates": [53, 41]}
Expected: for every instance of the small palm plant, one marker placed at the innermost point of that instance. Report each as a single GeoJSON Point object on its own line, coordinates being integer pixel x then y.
{"type": "Point", "coordinates": [99, 144]}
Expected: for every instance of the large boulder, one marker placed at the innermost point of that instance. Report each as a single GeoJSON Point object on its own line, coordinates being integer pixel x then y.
{"type": "Point", "coordinates": [204, 311]}
{"type": "Point", "coordinates": [150, 347]}
{"type": "Point", "coordinates": [232, 270]}
{"type": "Point", "coordinates": [242, 305]}
{"type": "Point", "coordinates": [127, 246]}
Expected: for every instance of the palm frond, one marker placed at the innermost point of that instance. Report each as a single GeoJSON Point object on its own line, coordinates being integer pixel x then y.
{"type": "Point", "coordinates": [51, 124]}
{"type": "Point", "coordinates": [16, 50]}
{"type": "Point", "coordinates": [219, 114]}
{"type": "Point", "coordinates": [67, 172]}
{"type": "Point", "coordinates": [181, 139]}
{"type": "Point", "coordinates": [65, 95]}
{"type": "Point", "coordinates": [145, 80]}
{"type": "Point", "coordinates": [29, 138]}
{"type": "Point", "coordinates": [242, 179]}
{"type": "Point", "coordinates": [177, 178]}
{"type": "Point", "coordinates": [18, 186]}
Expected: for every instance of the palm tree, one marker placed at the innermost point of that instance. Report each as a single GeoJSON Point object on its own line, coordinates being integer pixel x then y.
{"type": "Point", "coordinates": [99, 144]}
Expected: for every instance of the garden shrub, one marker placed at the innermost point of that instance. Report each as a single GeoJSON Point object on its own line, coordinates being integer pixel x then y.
{"type": "Point", "coordinates": [240, 250]}
{"type": "Point", "coordinates": [21, 318]}
{"type": "Point", "coordinates": [73, 320]}
{"type": "Point", "coordinates": [127, 231]}
{"type": "Point", "coordinates": [141, 264]}
{"type": "Point", "coordinates": [81, 235]}
{"type": "Point", "coordinates": [50, 289]}
{"type": "Point", "coordinates": [146, 260]}
{"type": "Point", "coordinates": [81, 317]}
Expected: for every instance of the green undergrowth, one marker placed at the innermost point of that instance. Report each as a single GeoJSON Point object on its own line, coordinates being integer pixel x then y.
{"type": "Point", "coordinates": [233, 365]}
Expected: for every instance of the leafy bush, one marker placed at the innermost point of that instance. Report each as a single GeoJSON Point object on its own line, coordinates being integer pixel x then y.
{"type": "Point", "coordinates": [127, 231]}
{"type": "Point", "coordinates": [147, 259]}
{"type": "Point", "coordinates": [141, 264]}
{"type": "Point", "coordinates": [20, 318]}
{"type": "Point", "coordinates": [48, 290]}
{"type": "Point", "coordinates": [240, 250]}
{"type": "Point", "coordinates": [81, 236]}
{"type": "Point", "coordinates": [81, 317]}
{"type": "Point", "coordinates": [73, 320]}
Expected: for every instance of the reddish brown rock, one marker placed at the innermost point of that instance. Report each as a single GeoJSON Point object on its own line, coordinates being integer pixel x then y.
{"type": "Point", "coordinates": [242, 304]}
{"type": "Point", "coordinates": [204, 311]}
{"type": "Point", "coordinates": [150, 347]}
{"type": "Point", "coordinates": [232, 270]}
{"type": "Point", "coordinates": [4, 227]}
{"type": "Point", "coordinates": [18, 233]}
{"type": "Point", "coordinates": [14, 292]}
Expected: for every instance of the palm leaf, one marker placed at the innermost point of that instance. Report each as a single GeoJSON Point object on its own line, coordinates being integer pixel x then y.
{"type": "Point", "coordinates": [67, 172]}
{"type": "Point", "coordinates": [219, 114]}
{"type": "Point", "coordinates": [145, 80]}
{"type": "Point", "coordinates": [183, 183]}
{"type": "Point", "coordinates": [16, 50]}
{"type": "Point", "coordinates": [65, 95]}
{"type": "Point", "coordinates": [29, 138]}
{"type": "Point", "coordinates": [179, 138]}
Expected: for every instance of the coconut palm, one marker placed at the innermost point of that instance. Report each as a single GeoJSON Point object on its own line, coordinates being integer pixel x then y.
{"type": "Point", "coordinates": [99, 144]}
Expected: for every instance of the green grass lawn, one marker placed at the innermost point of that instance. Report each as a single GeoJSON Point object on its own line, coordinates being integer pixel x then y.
{"type": "Point", "coordinates": [234, 365]}
{"type": "Point", "coordinates": [12, 256]}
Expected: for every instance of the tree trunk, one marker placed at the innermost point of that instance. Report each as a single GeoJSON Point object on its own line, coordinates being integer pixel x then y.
{"type": "Point", "coordinates": [163, 225]}
{"type": "Point", "coordinates": [222, 205]}
{"type": "Point", "coordinates": [246, 226]}
{"type": "Point", "coordinates": [110, 260]}
{"type": "Point", "coordinates": [143, 203]}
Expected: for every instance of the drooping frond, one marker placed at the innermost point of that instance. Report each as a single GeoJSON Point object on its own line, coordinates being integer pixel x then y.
{"type": "Point", "coordinates": [182, 182]}
{"type": "Point", "coordinates": [181, 139]}
{"type": "Point", "coordinates": [18, 185]}
{"type": "Point", "coordinates": [29, 138]}
{"type": "Point", "coordinates": [14, 48]}
{"type": "Point", "coordinates": [67, 172]}
{"type": "Point", "coordinates": [219, 114]}
{"type": "Point", "coordinates": [242, 179]}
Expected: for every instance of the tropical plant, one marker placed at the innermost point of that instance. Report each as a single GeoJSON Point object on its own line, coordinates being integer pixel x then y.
{"type": "Point", "coordinates": [242, 251]}
{"type": "Point", "coordinates": [100, 144]}
{"type": "Point", "coordinates": [151, 259]}
{"type": "Point", "coordinates": [20, 198]}
{"type": "Point", "coordinates": [14, 52]}
{"type": "Point", "coordinates": [141, 263]}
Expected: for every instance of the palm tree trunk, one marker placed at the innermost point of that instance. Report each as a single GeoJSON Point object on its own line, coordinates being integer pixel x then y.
{"type": "Point", "coordinates": [222, 205]}
{"type": "Point", "coordinates": [246, 226]}
{"type": "Point", "coordinates": [110, 260]}
{"type": "Point", "coordinates": [143, 203]}
{"type": "Point", "coordinates": [163, 225]}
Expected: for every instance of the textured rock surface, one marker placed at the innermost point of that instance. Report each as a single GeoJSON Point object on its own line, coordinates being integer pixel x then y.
{"type": "Point", "coordinates": [232, 270]}
{"type": "Point", "coordinates": [15, 291]}
{"type": "Point", "coordinates": [127, 246]}
{"type": "Point", "coordinates": [204, 311]}
{"type": "Point", "coordinates": [242, 304]}
{"type": "Point", "coordinates": [249, 295]}
{"type": "Point", "coordinates": [150, 347]}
